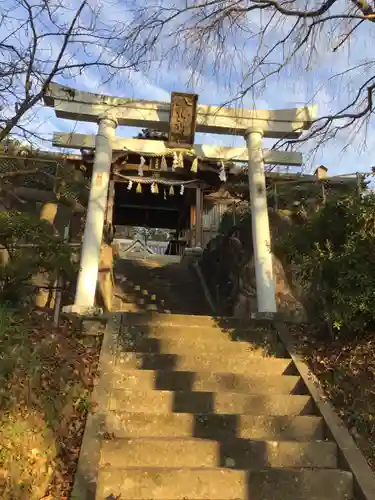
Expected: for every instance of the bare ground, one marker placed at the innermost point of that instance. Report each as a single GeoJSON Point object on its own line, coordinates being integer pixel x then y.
{"type": "Point", "coordinates": [346, 370]}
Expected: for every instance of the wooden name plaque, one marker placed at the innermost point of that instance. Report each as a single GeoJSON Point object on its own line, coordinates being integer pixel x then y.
{"type": "Point", "coordinates": [182, 118]}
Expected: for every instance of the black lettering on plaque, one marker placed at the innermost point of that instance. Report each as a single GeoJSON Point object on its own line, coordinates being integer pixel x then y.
{"type": "Point", "coordinates": [182, 120]}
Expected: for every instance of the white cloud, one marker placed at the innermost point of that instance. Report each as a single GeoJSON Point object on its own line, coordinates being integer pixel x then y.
{"type": "Point", "coordinates": [293, 86]}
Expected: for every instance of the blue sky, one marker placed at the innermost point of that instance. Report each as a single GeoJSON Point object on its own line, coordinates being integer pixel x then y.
{"type": "Point", "coordinates": [296, 85]}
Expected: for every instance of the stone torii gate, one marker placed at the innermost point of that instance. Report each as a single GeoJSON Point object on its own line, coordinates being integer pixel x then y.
{"type": "Point", "coordinates": [109, 112]}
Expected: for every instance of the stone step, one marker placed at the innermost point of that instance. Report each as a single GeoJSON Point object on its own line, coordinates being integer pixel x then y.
{"type": "Point", "coordinates": [241, 363]}
{"type": "Point", "coordinates": [164, 304]}
{"type": "Point", "coordinates": [188, 320]}
{"type": "Point", "coordinates": [145, 295]}
{"type": "Point", "coordinates": [149, 293]}
{"type": "Point", "coordinates": [214, 333]}
{"type": "Point", "coordinates": [208, 402]}
{"type": "Point", "coordinates": [207, 382]}
{"type": "Point", "coordinates": [219, 427]}
{"type": "Point", "coordinates": [140, 280]}
{"type": "Point", "coordinates": [234, 454]}
{"type": "Point", "coordinates": [183, 344]}
{"type": "Point", "coordinates": [131, 307]}
{"type": "Point", "coordinates": [292, 484]}
{"type": "Point", "coordinates": [134, 298]}
{"type": "Point", "coordinates": [152, 285]}
{"type": "Point", "coordinates": [154, 261]}
{"type": "Point", "coordinates": [224, 484]}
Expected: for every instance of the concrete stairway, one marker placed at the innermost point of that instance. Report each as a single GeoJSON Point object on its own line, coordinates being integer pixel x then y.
{"type": "Point", "coordinates": [157, 283]}
{"type": "Point", "coordinates": [204, 410]}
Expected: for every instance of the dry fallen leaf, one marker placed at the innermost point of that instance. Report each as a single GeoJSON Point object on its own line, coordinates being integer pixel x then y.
{"type": "Point", "coordinates": [39, 395]}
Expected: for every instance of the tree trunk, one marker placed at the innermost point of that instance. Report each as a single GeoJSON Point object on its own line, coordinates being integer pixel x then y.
{"type": "Point", "coordinates": [4, 254]}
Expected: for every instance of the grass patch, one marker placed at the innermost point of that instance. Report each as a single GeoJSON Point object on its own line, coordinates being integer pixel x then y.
{"type": "Point", "coordinates": [346, 370]}
{"type": "Point", "coordinates": [46, 379]}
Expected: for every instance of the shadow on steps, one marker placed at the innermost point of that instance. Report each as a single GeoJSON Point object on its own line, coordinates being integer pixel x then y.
{"type": "Point", "coordinates": [208, 434]}
{"type": "Point", "coordinates": [163, 287]}
{"type": "Point", "coordinates": [274, 464]}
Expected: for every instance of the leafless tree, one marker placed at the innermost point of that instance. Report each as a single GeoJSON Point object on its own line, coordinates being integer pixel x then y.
{"type": "Point", "coordinates": [41, 40]}
{"type": "Point", "coordinates": [286, 34]}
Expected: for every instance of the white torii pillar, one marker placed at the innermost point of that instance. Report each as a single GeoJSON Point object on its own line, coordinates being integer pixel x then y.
{"type": "Point", "coordinates": [92, 238]}
{"type": "Point", "coordinates": [265, 285]}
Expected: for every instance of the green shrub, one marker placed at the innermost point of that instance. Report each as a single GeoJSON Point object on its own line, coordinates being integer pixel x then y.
{"type": "Point", "coordinates": [235, 217]}
{"type": "Point", "coordinates": [48, 254]}
{"type": "Point", "coordinates": [6, 319]}
{"type": "Point", "coordinates": [334, 255]}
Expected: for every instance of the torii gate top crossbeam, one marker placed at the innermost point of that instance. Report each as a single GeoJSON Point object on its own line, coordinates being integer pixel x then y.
{"type": "Point", "coordinates": [76, 105]}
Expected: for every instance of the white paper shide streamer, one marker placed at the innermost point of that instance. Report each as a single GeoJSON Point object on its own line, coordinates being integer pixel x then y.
{"type": "Point", "coordinates": [222, 174]}
{"type": "Point", "coordinates": [175, 163]}
{"type": "Point", "coordinates": [140, 166]}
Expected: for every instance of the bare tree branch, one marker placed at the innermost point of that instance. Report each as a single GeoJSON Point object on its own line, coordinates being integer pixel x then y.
{"type": "Point", "coordinates": [281, 34]}
{"type": "Point", "coordinates": [41, 41]}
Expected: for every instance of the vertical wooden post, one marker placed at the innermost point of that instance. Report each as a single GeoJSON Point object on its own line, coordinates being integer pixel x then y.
{"type": "Point", "coordinates": [106, 279]}
{"type": "Point", "coordinates": [59, 285]}
{"type": "Point", "coordinates": [110, 203]}
{"type": "Point", "coordinates": [193, 218]}
{"type": "Point", "coordinates": [198, 217]}
{"type": "Point", "coordinates": [275, 198]}
{"type": "Point", "coordinates": [324, 196]}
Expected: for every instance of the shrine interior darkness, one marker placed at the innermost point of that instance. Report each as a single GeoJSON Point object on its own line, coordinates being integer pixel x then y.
{"type": "Point", "coordinates": [152, 210]}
